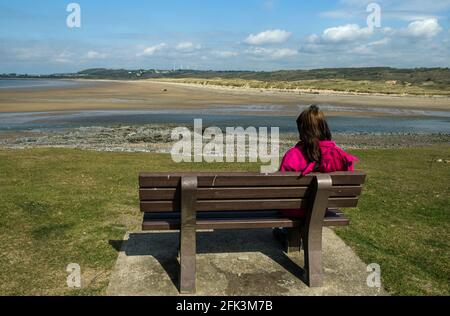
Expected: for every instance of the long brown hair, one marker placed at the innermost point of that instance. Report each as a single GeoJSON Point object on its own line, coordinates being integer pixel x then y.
{"type": "Point", "coordinates": [313, 128]}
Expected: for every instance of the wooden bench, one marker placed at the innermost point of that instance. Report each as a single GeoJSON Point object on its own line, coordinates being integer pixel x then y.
{"type": "Point", "coordinates": [192, 201]}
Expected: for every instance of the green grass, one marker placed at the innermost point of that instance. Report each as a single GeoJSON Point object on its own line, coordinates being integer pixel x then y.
{"type": "Point", "coordinates": [402, 221]}
{"type": "Point", "coordinates": [60, 206]}
{"type": "Point", "coordinates": [340, 85]}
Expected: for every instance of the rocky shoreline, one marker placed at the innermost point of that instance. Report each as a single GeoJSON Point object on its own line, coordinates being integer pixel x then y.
{"type": "Point", "coordinates": [157, 138]}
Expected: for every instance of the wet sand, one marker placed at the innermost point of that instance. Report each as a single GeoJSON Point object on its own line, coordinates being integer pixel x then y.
{"type": "Point", "coordinates": [127, 95]}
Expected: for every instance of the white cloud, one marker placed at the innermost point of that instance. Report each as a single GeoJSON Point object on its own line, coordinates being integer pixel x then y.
{"type": "Point", "coordinates": [271, 53]}
{"type": "Point", "coordinates": [344, 33]}
{"type": "Point", "coordinates": [268, 37]}
{"type": "Point", "coordinates": [383, 41]}
{"type": "Point", "coordinates": [151, 50]}
{"type": "Point", "coordinates": [64, 58]}
{"type": "Point", "coordinates": [95, 55]}
{"type": "Point", "coordinates": [423, 28]}
{"type": "Point", "coordinates": [354, 45]}
{"type": "Point", "coordinates": [187, 47]}
{"type": "Point", "coordinates": [335, 37]}
{"type": "Point", "coordinates": [387, 30]}
{"type": "Point", "coordinates": [225, 54]}
{"type": "Point", "coordinates": [372, 47]}
{"type": "Point", "coordinates": [314, 38]}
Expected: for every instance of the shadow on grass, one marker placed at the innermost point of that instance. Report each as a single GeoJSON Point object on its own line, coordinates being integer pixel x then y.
{"type": "Point", "coordinates": [164, 247]}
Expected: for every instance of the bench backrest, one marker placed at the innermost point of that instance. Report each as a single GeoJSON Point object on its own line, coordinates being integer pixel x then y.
{"type": "Point", "coordinates": [161, 192]}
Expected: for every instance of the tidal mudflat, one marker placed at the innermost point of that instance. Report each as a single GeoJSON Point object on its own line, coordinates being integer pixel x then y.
{"type": "Point", "coordinates": [139, 115]}
{"type": "Point", "coordinates": [150, 95]}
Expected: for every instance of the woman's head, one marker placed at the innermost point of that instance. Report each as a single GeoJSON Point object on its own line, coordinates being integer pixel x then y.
{"type": "Point", "coordinates": [313, 128]}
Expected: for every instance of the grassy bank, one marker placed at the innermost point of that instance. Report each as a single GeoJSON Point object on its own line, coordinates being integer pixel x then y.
{"type": "Point", "coordinates": [389, 87]}
{"type": "Point", "coordinates": [421, 81]}
{"type": "Point", "coordinates": [60, 206]}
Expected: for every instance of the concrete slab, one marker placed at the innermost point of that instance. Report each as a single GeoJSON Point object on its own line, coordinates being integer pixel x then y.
{"type": "Point", "coordinates": [235, 262]}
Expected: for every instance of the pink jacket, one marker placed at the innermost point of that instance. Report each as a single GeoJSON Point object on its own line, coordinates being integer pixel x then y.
{"type": "Point", "coordinates": [333, 159]}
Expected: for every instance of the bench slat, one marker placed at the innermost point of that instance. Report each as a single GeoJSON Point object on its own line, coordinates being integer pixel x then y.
{"type": "Point", "coordinates": [238, 205]}
{"type": "Point", "coordinates": [167, 194]}
{"type": "Point", "coordinates": [235, 220]}
{"type": "Point", "coordinates": [161, 180]}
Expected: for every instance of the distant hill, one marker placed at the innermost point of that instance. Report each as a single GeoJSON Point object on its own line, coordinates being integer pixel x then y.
{"type": "Point", "coordinates": [417, 75]}
{"type": "Point", "coordinates": [417, 81]}
{"type": "Point", "coordinates": [414, 76]}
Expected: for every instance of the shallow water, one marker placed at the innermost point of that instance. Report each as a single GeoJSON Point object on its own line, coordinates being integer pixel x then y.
{"type": "Point", "coordinates": [339, 124]}
{"type": "Point", "coordinates": [290, 110]}
{"type": "Point", "coordinates": [37, 83]}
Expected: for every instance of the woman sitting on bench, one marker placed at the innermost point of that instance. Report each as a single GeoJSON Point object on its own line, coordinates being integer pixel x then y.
{"type": "Point", "coordinates": [315, 152]}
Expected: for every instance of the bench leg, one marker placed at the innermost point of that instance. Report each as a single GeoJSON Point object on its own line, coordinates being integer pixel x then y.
{"type": "Point", "coordinates": [312, 230]}
{"type": "Point", "coordinates": [187, 262]}
{"type": "Point", "coordinates": [294, 241]}
{"type": "Point", "coordinates": [188, 235]}
{"type": "Point", "coordinates": [313, 258]}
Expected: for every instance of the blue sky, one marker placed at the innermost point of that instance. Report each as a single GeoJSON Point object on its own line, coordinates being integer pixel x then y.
{"type": "Point", "coordinates": [222, 34]}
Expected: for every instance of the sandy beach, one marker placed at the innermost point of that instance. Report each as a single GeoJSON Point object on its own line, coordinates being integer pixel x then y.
{"type": "Point", "coordinates": [147, 94]}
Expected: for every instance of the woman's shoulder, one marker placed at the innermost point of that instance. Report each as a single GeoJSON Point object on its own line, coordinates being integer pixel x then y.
{"type": "Point", "coordinates": [328, 147]}
{"type": "Point", "coordinates": [295, 151]}
{"type": "Point", "coordinates": [294, 160]}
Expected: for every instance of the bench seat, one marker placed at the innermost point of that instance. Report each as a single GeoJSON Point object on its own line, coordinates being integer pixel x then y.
{"type": "Point", "coordinates": [235, 220]}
